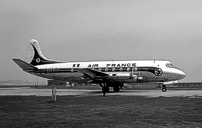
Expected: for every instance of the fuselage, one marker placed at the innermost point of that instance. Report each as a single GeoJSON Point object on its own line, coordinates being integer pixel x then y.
{"type": "Point", "coordinates": [140, 71]}
{"type": "Point", "coordinates": [105, 73]}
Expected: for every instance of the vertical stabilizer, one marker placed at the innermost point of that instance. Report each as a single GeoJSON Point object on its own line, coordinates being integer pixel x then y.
{"type": "Point", "coordinates": [39, 58]}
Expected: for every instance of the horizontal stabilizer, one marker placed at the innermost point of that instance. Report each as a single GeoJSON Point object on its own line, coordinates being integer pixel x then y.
{"type": "Point", "coordinates": [25, 66]}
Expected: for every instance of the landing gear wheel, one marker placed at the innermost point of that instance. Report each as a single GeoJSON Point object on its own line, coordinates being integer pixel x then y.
{"type": "Point", "coordinates": [105, 89]}
{"type": "Point", "coordinates": [116, 88]}
{"type": "Point", "coordinates": [164, 89]}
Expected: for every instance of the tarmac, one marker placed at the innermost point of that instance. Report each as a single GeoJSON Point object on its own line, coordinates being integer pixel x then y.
{"type": "Point", "coordinates": [28, 91]}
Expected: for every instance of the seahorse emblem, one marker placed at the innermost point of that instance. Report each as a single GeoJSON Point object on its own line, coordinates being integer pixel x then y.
{"type": "Point", "coordinates": [38, 60]}
{"type": "Point", "coordinates": [158, 72]}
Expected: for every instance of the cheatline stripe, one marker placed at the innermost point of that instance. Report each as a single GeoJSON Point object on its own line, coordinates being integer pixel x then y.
{"type": "Point", "coordinates": [105, 69]}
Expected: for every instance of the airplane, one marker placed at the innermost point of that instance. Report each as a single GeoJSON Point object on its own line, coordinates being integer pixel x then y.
{"type": "Point", "coordinates": [105, 73]}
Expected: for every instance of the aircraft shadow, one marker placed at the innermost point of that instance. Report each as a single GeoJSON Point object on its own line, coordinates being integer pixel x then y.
{"type": "Point", "coordinates": [112, 92]}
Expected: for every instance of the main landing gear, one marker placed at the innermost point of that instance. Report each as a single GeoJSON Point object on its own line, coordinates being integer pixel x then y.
{"type": "Point", "coordinates": [116, 87]}
{"type": "Point", "coordinates": [105, 89]}
{"type": "Point", "coordinates": [164, 89]}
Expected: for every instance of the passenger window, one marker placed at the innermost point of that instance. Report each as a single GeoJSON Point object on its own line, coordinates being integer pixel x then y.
{"type": "Point", "coordinates": [121, 69]}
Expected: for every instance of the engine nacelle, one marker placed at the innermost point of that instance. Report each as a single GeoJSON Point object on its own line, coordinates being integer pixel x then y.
{"type": "Point", "coordinates": [132, 76]}
{"type": "Point", "coordinates": [127, 76]}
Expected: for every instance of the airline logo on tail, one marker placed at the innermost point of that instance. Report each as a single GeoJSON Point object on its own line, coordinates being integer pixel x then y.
{"type": "Point", "coordinates": [39, 58]}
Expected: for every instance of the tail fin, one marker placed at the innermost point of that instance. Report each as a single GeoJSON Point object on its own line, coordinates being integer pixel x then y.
{"type": "Point", "coordinates": [39, 58]}
{"type": "Point", "coordinates": [25, 66]}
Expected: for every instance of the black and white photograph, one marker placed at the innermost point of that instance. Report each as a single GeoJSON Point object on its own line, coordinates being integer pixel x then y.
{"type": "Point", "coordinates": [101, 63]}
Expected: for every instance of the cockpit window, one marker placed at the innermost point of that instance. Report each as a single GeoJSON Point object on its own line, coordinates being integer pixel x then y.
{"type": "Point", "coordinates": [169, 65]}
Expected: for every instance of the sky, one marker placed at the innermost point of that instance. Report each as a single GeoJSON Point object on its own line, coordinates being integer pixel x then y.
{"type": "Point", "coordinates": [86, 30]}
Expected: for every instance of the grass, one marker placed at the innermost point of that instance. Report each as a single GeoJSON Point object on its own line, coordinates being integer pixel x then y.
{"type": "Point", "coordinates": [98, 111]}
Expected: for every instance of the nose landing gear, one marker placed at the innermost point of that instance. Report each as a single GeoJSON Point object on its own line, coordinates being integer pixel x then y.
{"type": "Point", "coordinates": [164, 89]}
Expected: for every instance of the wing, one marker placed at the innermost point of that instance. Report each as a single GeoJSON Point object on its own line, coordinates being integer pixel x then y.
{"type": "Point", "coordinates": [92, 73]}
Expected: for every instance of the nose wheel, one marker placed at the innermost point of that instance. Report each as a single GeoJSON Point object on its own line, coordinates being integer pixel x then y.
{"type": "Point", "coordinates": [164, 89]}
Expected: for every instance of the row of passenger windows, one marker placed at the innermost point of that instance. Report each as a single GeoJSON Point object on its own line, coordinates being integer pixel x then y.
{"type": "Point", "coordinates": [112, 69]}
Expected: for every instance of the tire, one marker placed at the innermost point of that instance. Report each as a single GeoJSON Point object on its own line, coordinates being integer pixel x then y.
{"type": "Point", "coordinates": [105, 89]}
{"type": "Point", "coordinates": [164, 89]}
{"type": "Point", "coordinates": [116, 89]}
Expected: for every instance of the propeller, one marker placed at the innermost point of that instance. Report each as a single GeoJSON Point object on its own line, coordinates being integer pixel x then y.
{"type": "Point", "coordinates": [132, 76]}
{"type": "Point", "coordinates": [135, 77]}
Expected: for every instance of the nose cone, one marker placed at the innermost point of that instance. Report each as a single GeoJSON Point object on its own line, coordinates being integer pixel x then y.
{"type": "Point", "coordinates": [181, 74]}
{"type": "Point", "coordinates": [174, 74]}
